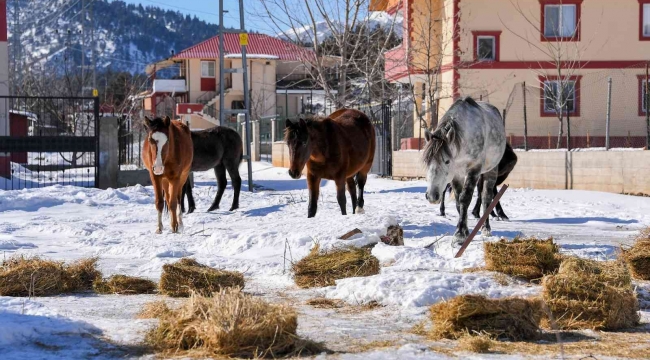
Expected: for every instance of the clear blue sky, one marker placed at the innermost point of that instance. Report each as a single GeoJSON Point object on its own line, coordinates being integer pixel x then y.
{"type": "Point", "coordinates": [208, 10]}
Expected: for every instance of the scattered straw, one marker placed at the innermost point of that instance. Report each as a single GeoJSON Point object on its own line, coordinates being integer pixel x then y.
{"type": "Point", "coordinates": [638, 256]}
{"type": "Point", "coordinates": [475, 343]}
{"type": "Point", "coordinates": [582, 301]}
{"type": "Point", "coordinates": [322, 269]}
{"type": "Point", "coordinates": [613, 273]}
{"type": "Point", "coordinates": [527, 258]}
{"type": "Point", "coordinates": [512, 318]}
{"type": "Point", "coordinates": [183, 277]}
{"type": "Point", "coordinates": [154, 310]}
{"type": "Point", "coordinates": [230, 323]}
{"type": "Point", "coordinates": [324, 303]}
{"type": "Point", "coordinates": [124, 285]}
{"type": "Point", "coordinates": [21, 276]}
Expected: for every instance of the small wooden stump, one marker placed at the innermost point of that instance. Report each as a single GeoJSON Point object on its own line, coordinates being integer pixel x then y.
{"type": "Point", "coordinates": [349, 234]}
{"type": "Point", "coordinates": [394, 236]}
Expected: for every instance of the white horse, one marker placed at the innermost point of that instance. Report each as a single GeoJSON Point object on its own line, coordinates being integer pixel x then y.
{"type": "Point", "coordinates": [468, 142]}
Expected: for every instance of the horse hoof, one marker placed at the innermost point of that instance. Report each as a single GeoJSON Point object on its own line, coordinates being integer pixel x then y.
{"type": "Point", "coordinates": [158, 231]}
{"type": "Point", "coordinates": [442, 214]}
{"type": "Point", "coordinates": [212, 208]}
{"type": "Point", "coordinates": [191, 210]}
{"type": "Point", "coordinates": [486, 233]}
{"type": "Point", "coordinates": [234, 208]}
{"type": "Point", "coordinates": [360, 210]}
{"type": "Point", "coordinates": [459, 240]}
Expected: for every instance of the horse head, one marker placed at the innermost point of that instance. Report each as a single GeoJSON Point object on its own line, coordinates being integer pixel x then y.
{"type": "Point", "coordinates": [438, 158]}
{"type": "Point", "coordinates": [300, 146]}
{"type": "Point", "coordinates": [158, 138]}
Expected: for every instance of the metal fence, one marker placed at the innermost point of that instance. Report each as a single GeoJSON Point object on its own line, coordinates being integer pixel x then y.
{"type": "Point", "coordinates": [48, 141]}
{"type": "Point", "coordinates": [601, 109]}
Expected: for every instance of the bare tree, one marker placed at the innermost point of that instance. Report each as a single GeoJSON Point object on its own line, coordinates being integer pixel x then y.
{"type": "Point", "coordinates": [331, 28]}
{"type": "Point", "coordinates": [563, 50]}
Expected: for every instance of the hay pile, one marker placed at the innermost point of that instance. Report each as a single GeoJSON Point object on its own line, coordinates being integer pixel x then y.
{"type": "Point", "coordinates": [230, 324]}
{"type": "Point", "coordinates": [587, 294]}
{"type": "Point", "coordinates": [21, 276]}
{"type": "Point", "coordinates": [512, 318]}
{"type": "Point", "coordinates": [322, 269]}
{"type": "Point", "coordinates": [185, 276]}
{"type": "Point", "coordinates": [124, 285]}
{"type": "Point", "coordinates": [638, 256]}
{"type": "Point", "coordinates": [529, 258]}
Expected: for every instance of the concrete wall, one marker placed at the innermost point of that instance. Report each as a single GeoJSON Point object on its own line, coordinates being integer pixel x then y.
{"type": "Point", "coordinates": [109, 163]}
{"type": "Point", "coordinates": [621, 172]}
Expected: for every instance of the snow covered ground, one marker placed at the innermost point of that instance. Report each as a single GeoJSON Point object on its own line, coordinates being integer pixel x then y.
{"type": "Point", "coordinates": [262, 238]}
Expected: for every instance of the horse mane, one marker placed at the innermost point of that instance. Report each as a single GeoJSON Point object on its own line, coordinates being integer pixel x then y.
{"type": "Point", "coordinates": [447, 135]}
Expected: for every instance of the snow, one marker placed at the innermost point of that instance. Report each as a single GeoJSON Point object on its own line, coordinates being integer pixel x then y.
{"type": "Point", "coordinates": [269, 232]}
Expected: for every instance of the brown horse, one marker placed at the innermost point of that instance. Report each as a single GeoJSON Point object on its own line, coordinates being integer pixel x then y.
{"type": "Point", "coordinates": [340, 147]}
{"type": "Point", "coordinates": [167, 153]}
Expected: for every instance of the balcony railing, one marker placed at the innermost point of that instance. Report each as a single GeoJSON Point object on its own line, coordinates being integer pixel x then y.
{"type": "Point", "coordinates": [302, 81]}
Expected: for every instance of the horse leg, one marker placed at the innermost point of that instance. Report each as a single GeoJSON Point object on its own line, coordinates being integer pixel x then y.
{"type": "Point", "coordinates": [340, 195]}
{"type": "Point", "coordinates": [457, 187]}
{"type": "Point", "coordinates": [500, 213]}
{"type": "Point", "coordinates": [181, 199]}
{"type": "Point", "coordinates": [313, 184]}
{"type": "Point", "coordinates": [362, 177]}
{"type": "Point", "coordinates": [159, 200]}
{"type": "Point", "coordinates": [477, 207]}
{"type": "Point", "coordinates": [442, 202]}
{"type": "Point", "coordinates": [235, 179]}
{"type": "Point", "coordinates": [173, 190]}
{"type": "Point", "coordinates": [352, 189]}
{"type": "Point", "coordinates": [465, 199]}
{"type": "Point", "coordinates": [187, 189]}
{"type": "Point", "coordinates": [490, 179]}
{"type": "Point", "coordinates": [222, 181]}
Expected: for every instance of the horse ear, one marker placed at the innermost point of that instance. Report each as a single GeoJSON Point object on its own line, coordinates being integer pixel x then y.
{"type": "Point", "coordinates": [427, 135]}
{"type": "Point", "coordinates": [288, 123]}
{"type": "Point", "coordinates": [147, 122]}
{"type": "Point", "coordinates": [167, 121]}
{"type": "Point", "coordinates": [303, 123]}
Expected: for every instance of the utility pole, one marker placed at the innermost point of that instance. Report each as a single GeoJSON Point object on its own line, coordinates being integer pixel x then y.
{"type": "Point", "coordinates": [243, 42]}
{"type": "Point", "coordinates": [83, 46]}
{"type": "Point", "coordinates": [17, 52]}
{"type": "Point", "coordinates": [92, 43]}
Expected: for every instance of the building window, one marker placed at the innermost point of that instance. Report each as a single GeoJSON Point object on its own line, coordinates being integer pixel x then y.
{"type": "Point", "coordinates": [560, 95]}
{"type": "Point", "coordinates": [561, 20]}
{"type": "Point", "coordinates": [207, 69]}
{"type": "Point", "coordinates": [486, 45]}
{"type": "Point", "coordinates": [644, 20]}
{"type": "Point", "coordinates": [643, 95]}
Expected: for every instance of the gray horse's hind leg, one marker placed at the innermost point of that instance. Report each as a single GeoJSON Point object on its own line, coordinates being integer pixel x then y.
{"type": "Point", "coordinates": [222, 181]}
{"type": "Point", "coordinates": [489, 181]}
{"type": "Point", "coordinates": [463, 202]}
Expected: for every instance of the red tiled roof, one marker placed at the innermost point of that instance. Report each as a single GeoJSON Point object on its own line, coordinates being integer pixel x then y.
{"type": "Point", "coordinates": [258, 44]}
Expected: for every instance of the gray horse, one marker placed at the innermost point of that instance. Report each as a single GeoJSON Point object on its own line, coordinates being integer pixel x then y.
{"type": "Point", "coordinates": [467, 145]}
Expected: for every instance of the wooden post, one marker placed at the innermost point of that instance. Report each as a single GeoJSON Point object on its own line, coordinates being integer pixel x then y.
{"type": "Point", "coordinates": [482, 220]}
{"type": "Point", "coordinates": [523, 86]}
{"type": "Point", "coordinates": [549, 139]}
{"type": "Point", "coordinates": [588, 142]}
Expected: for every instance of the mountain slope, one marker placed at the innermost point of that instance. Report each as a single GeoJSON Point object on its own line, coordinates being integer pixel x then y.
{"type": "Point", "coordinates": [127, 37]}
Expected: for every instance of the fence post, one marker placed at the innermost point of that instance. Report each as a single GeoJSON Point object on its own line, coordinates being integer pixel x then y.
{"type": "Point", "coordinates": [256, 147]}
{"type": "Point", "coordinates": [274, 126]}
{"type": "Point", "coordinates": [647, 107]}
{"type": "Point", "coordinates": [568, 128]}
{"type": "Point", "coordinates": [523, 87]}
{"type": "Point", "coordinates": [609, 112]}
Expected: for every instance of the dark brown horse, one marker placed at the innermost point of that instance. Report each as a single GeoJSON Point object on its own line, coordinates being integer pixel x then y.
{"type": "Point", "coordinates": [219, 148]}
{"type": "Point", "coordinates": [340, 147]}
{"type": "Point", "coordinates": [167, 153]}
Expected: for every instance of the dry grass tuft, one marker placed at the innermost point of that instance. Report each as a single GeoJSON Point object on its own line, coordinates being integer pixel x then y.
{"type": "Point", "coordinates": [591, 295]}
{"type": "Point", "coordinates": [322, 269]}
{"type": "Point", "coordinates": [21, 276]}
{"type": "Point", "coordinates": [185, 276]}
{"type": "Point", "coordinates": [230, 324]}
{"type": "Point", "coordinates": [511, 318]}
{"type": "Point", "coordinates": [154, 310]}
{"type": "Point", "coordinates": [638, 256]}
{"type": "Point", "coordinates": [324, 303]}
{"type": "Point", "coordinates": [124, 285]}
{"type": "Point", "coordinates": [529, 258]}
{"type": "Point", "coordinates": [475, 343]}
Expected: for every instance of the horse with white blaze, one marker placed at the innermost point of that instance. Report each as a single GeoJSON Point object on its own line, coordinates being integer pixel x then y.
{"type": "Point", "coordinates": [468, 142]}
